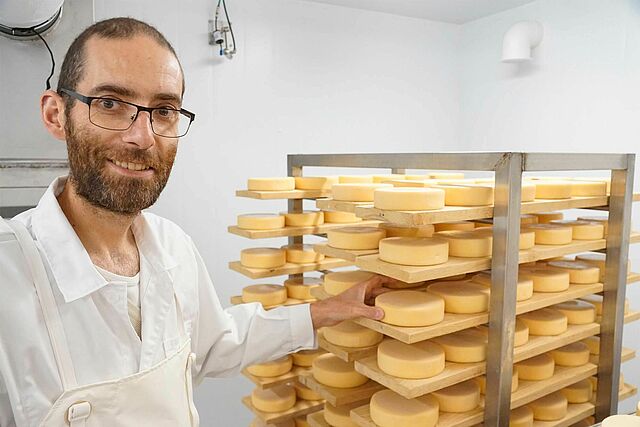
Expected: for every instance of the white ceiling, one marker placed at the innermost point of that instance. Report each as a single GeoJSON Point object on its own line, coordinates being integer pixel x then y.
{"type": "Point", "coordinates": [452, 11]}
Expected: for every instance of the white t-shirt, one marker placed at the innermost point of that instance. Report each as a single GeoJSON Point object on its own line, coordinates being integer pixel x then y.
{"type": "Point", "coordinates": [133, 294]}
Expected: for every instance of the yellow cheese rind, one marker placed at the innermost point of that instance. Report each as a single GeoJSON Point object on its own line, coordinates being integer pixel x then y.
{"type": "Point", "coordinates": [524, 289]}
{"type": "Point", "coordinates": [339, 281]}
{"type": "Point", "coordinates": [315, 182]}
{"type": "Point", "coordinates": [423, 359]}
{"type": "Point", "coordinates": [467, 194]}
{"type": "Point", "coordinates": [588, 188]}
{"type": "Point", "coordinates": [389, 409]}
{"type": "Point", "coordinates": [329, 370]}
{"type": "Point", "coordinates": [260, 221]}
{"type": "Point", "coordinates": [338, 416]}
{"type": "Point", "coordinates": [305, 393]}
{"type": "Point", "coordinates": [445, 175]}
{"type": "Point", "coordinates": [547, 217]}
{"type": "Point", "coordinates": [454, 225]}
{"type": "Point", "coordinates": [263, 257]}
{"type": "Point", "coordinates": [547, 279]}
{"type": "Point", "coordinates": [305, 358]}
{"type": "Point", "coordinates": [267, 295]}
{"type": "Point", "coordinates": [545, 322]}
{"type": "Point", "coordinates": [299, 253]}
{"type": "Point", "coordinates": [462, 297]}
{"type": "Point", "coordinates": [352, 335]}
{"type": "Point", "coordinates": [355, 179]}
{"type": "Point", "coordinates": [467, 346]}
{"type": "Point", "coordinates": [468, 244]}
{"type": "Point", "coordinates": [521, 336]}
{"type": "Point", "coordinates": [355, 238]}
{"type": "Point", "coordinates": [388, 177]}
{"type": "Point", "coordinates": [581, 273]}
{"type": "Point", "coordinates": [271, 184]}
{"type": "Point", "coordinates": [574, 354]}
{"type": "Point", "coordinates": [408, 199]}
{"type": "Point", "coordinates": [578, 312]}
{"type": "Point", "coordinates": [583, 230]}
{"type": "Point", "coordinates": [395, 230]}
{"type": "Point", "coordinates": [598, 260]}
{"type": "Point", "coordinates": [274, 368]}
{"type": "Point", "coordinates": [301, 421]}
{"type": "Point", "coordinates": [547, 189]}
{"type": "Point", "coordinates": [301, 287]}
{"type": "Point", "coordinates": [482, 382]}
{"type": "Point", "coordinates": [536, 368]}
{"type": "Point", "coordinates": [580, 392]}
{"type": "Point", "coordinates": [551, 234]}
{"type": "Point", "coordinates": [303, 219]}
{"type": "Point", "coordinates": [337, 217]}
{"type": "Point", "coordinates": [594, 344]}
{"type": "Point", "coordinates": [521, 417]}
{"type": "Point", "coordinates": [549, 408]}
{"type": "Point", "coordinates": [596, 300]}
{"type": "Point", "coordinates": [411, 308]}
{"type": "Point", "coordinates": [356, 192]}
{"type": "Point", "coordinates": [274, 399]}
{"type": "Point", "coordinates": [418, 251]}
{"type": "Point", "coordinates": [462, 397]}
{"type": "Point", "coordinates": [599, 219]}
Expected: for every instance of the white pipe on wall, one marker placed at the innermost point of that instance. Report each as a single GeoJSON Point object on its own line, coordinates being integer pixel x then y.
{"type": "Point", "coordinates": [520, 39]}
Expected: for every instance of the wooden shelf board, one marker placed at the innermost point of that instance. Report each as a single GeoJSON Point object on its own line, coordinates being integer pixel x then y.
{"type": "Point", "coordinates": [237, 299]}
{"type": "Point", "coordinates": [575, 413]}
{"type": "Point", "coordinates": [295, 231]}
{"type": "Point", "coordinates": [633, 278]}
{"type": "Point", "coordinates": [302, 407]}
{"type": "Point", "coordinates": [287, 194]}
{"type": "Point", "coordinates": [632, 316]}
{"type": "Point", "coordinates": [627, 354]}
{"type": "Point", "coordinates": [335, 205]}
{"type": "Point", "coordinates": [348, 354]}
{"type": "Point", "coordinates": [541, 344]}
{"type": "Point", "coordinates": [316, 419]}
{"type": "Point", "coordinates": [341, 396]}
{"type": "Point", "coordinates": [288, 268]}
{"type": "Point", "coordinates": [349, 255]}
{"type": "Point", "coordinates": [263, 382]}
{"type": "Point", "coordinates": [628, 390]}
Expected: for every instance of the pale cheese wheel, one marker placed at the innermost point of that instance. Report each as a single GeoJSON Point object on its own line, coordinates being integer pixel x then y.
{"type": "Point", "coordinates": [467, 346]}
{"type": "Point", "coordinates": [271, 369]}
{"type": "Point", "coordinates": [299, 253]}
{"type": "Point", "coordinates": [527, 192]}
{"type": "Point", "coordinates": [462, 297]}
{"type": "Point", "coordinates": [271, 184]}
{"type": "Point", "coordinates": [355, 238]}
{"type": "Point", "coordinates": [263, 257]}
{"type": "Point", "coordinates": [395, 230]}
{"type": "Point", "coordinates": [527, 237]}
{"type": "Point", "coordinates": [468, 244]}
{"type": "Point", "coordinates": [339, 281]}
{"type": "Point", "coordinates": [551, 234]}
{"type": "Point", "coordinates": [546, 279]}
{"type": "Point", "coordinates": [547, 217]}
{"type": "Point", "coordinates": [301, 287]}
{"type": "Point", "coordinates": [419, 251]}
{"type": "Point", "coordinates": [552, 407]}
{"type": "Point", "coordinates": [303, 219]}
{"type": "Point", "coordinates": [339, 416]}
{"type": "Point", "coordinates": [260, 221]}
{"type": "Point", "coordinates": [599, 219]}
{"type": "Point", "coordinates": [467, 195]}
{"type": "Point", "coordinates": [267, 295]}
{"type": "Point", "coordinates": [273, 399]}
{"type": "Point", "coordinates": [423, 183]}
{"type": "Point", "coordinates": [599, 260]}
{"type": "Point", "coordinates": [350, 334]}
{"type": "Point", "coordinates": [596, 300]}
{"type": "Point", "coordinates": [389, 409]}
{"type": "Point", "coordinates": [574, 354]}
{"type": "Point", "coordinates": [315, 182]}
{"type": "Point", "coordinates": [524, 289]}
{"type": "Point", "coordinates": [594, 345]}
{"type": "Point", "coordinates": [621, 421]}
{"type": "Point", "coordinates": [331, 371]}
{"type": "Point", "coordinates": [526, 219]}
{"type": "Point", "coordinates": [583, 230]}
{"type": "Point", "coordinates": [578, 312]}
{"type": "Point", "coordinates": [521, 335]}
{"type": "Point", "coordinates": [423, 359]}
{"type": "Point", "coordinates": [545, 322]}
{"type": "Point", "coordinates": [388, 177]}
{"type": "Point", "coordinates": [338, 217]}
{"type": "Point", "coordinates": [547, 189]}
{"type": "Point", "coordinates": [580, 272]}
{"type": "Point", "coordinates": [482, 382]}
{"type": "Point", "coordinates": [580, 392]}
{"type": "Point", "coordinates": [462, 397]}
{"type": "Point", "coordinates": [537, 368]}
{"type": "Point", "coordinates": [305, 358]}
{"type": "Point", "coordinates": [408, 199]}
{"type": "Point", "coordinates": [588, 188]}
{"type": "Point", "coordinates": [305, 393]}
{"type": "Point", "coordinates": [454, 225]}
{"type": "Point", "coordinates": [446, 175]}
{"type": "Point", "coordinates": [355, 179]}
{"type": "Point", "coordinates": [356, 192]}
{"type": "Point", "coordinates": [521, 417]}
{"type": "Point", "coordinates": [411, 308]}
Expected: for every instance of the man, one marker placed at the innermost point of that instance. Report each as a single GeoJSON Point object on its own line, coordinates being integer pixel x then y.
{"type": "Point", "coordinates": [106, 319]}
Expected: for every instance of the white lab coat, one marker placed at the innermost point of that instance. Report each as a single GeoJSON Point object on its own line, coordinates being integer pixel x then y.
{"type": "Point", "coordinates": [102, 341]}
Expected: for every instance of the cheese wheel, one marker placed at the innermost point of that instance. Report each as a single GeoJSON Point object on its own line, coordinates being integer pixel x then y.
{"type": "Point", "coordinates": [339, 416]}
{"type": "Point", "coordinates": [574, 354]}
{"type": "Point", "coordinates": [454, 225]}
{"type": "Point", "coordinates": [267, 295]}
{"type": "Point", "coordinates": [546, 279]}
{"type": "Point", "coordinates": [301, 287]}
{"type": "Point", "coordinates": [337, 217]}
{"type": "Point", "coordinates": [299, 253]}
{"type": "Point", "coordinates": [580, 272]}
{"type": "Point", "coordinates": [355, 179]}
{"type": "Point", "coordinates": [408, 199]}
{"type": "Point", "coordinates": [389, 409]}
{"type": "Point", "coordinates": [594, 383]}
{"type": "Point", "coordinates": [547, 217]}
{"type": "Point", "coordinates": [551, 234]}
{"type": "Point", "coordinates": [545, 322]}
{"type": "Point", "coordinates": [580, 392]}
{"type": "Point", "coordinates": [521, 417]}
{"type": "Point", "coordinates": [350, 334]}
{"type": "Point", "coordinates": [273, 399]}
{"type": "Point", "coordinates": [303, 219]}
{"type": "Point", "coordinates": [355, 238]}
{"type": "Point", "coordinates": [271, 184]}
{"type": "Point", "coordinates": [462, 397]}
{"type": "Point", "coordinates": [260, 221]}
{"type": "Point", "coordinates": [599, 219]}
{"type": "Point", "coordinates": [578, 312]}
{"type": "Point", "coordinates": [395, 230]}
{"type": "Point", "coordinates": [411, 308]}
{"type": "Point", "coordinates": [550, 408]}
{"type": "Point", "coordinates": [461, 297]}
{"type": "Point", "coordinates": [467, 195]}
{"type": "Point", "coordinates": [621, 421]}
{"type": "Point", "coordinates": [482, 382]}
{"type": "Point", "coordinates": [524, 289]}
{"type": "Point", "coordinates": [547, 189]}
{"type": "Point", "coordinates": [419, 251]}
{"type": "Point", "coordinates": [356, 192]}
{"type": "Point", "coordinates": [271, 369]}
{"type": "Point", "coordinates": [527, 192]}
{"type": "Point", "coordinates": [305, 358]}
{"type": "Point", "coordinates": [388, 177]}
{"type": "Point", "coordinates": [537, 368]}
{"type": "Point", "coordinates": [331, 371]}
{"type": "Point", "coordinates": [468, 244]}
{"type": "Point", "coordinates": [263, 257]}
{"type": "Point", "coordinates": [598, 260]}
{"type": "Point", "coordinates": [527, 237]}
{"type": "Point", "coordinates": [594, 345]}
{"type": "Point", "coordinates": [339, 281]}
{"type": "Point", "coordinates": [526, 219]}
{"type": "Point", "coordinates": [315, 182]}
{"type": "Point", "coordinates": [596, 301]}
{"type": "Point", "coordinates": [467, 346]}
{"type": "Point", "coordinates": [588, 188]}
{"type": "Point", "coordinates": [305, 393]}
{"type": "Point", "coordinates": [423, 359]}
{"type": "Point", "coordinates": [301, 421]}
{"type": "Point", "coordinates": [446, 175]}
{"type": "Point", "coordinates": [521, 336]}
{"type": "Point", "coordinates": [583, 230]}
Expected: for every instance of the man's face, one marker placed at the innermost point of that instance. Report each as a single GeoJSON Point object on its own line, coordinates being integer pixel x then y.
{"type": "Point", "coordinates": [123, 171]}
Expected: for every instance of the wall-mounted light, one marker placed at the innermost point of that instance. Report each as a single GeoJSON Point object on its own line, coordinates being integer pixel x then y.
{"type": "Point", "coordinates": [520, 40]}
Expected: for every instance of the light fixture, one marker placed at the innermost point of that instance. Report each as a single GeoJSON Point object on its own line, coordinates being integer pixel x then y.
{"type": "Point", "coordinates": [25, 19]}
{"type": "Point", "coordinates": [520, 40]}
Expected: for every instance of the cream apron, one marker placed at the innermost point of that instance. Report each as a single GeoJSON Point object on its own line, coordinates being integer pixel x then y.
{"type": "Point", "coordinates": [161, 396]}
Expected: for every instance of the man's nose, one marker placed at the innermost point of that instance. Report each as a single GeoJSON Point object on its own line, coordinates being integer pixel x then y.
{"type": "Point", "coordinates": [140, 132]}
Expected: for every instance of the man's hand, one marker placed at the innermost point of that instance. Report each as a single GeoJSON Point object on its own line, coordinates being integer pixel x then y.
{"type": "Point", "coordinates": [355, 302]}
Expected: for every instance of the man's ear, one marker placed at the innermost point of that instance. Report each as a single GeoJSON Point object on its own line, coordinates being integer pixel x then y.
{"type": "Point", "coordinates": [52, 113]}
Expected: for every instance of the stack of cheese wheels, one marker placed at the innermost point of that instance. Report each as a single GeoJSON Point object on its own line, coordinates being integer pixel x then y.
{"type": "Point", "coordinates": [482, 382]}
{"type": "Point", "coordinates": [263, 257]}
{"type": "Point", "coordinates": [408, 199]}
{"type": "Point", "coordinates": [536, 368]}
{"type": "Point", "coordinates": [299, 253]}
{"type": "Point", "coordinates": [355, 179]}
{"type": "Point", "coordinates": [340, 416]}
{"type": "Point", "coordinates": [305, 358]}
{"type": "Point", "coordinates": [454, 225]}
{"type": "Point", "coordinates": [423, 359]}
{"type": "Point", "coordinates": [389, 409]}
{"type": "Point", "coordinates": [578, 312]}
{"type": "Point", "coordinates": [260, 221]}
{"type": "Point", "coordinates": [551, 234]}
{"type": "Point", "coordinates": [337, 217]}
{"type": "Point", "coordinates": [596, 301]}
{"type": "Point", "coordinates": [547, 189]}
{"type": "Point", "coordinates": [468, 244]}
{"type": "Point", "coordinates": [461, 297]}
{"type": "Point", "coordinates": [546, 279]}
{"type": "Point", "coordinates": [303, 219]}
{"type": "Point", "coordinates": [395, 230]}
{"type": "Point", "coordinates": [521, 417]}
{"type": "Point", "coordinates": [356, 192]}
{"type": "Point", "coordinates": [588, 188]}
{"type": "Point", "coordinates": [274, 399]}
{"type": "Point", "coordinates": [580, 392]}
{"type": "Point", "coordinates": [462, 397]}
{"type": "Point", "coordinates": [267, 295]}
{"type": "Point", "coordinates": [305, 393]}
{"type": "Point", "coordinates": [355, 238]}
{"type": "Point", "coordinates": [271, 369]}
{"type": "Point", "coordinates": [551, 407]}
{"type": "Point", "coordinates": [388, 177]}
{"type": "Point", "coordinates": [580, 272]}
{"type": "Point", "coordinates": [467, 346]}
{"type": "Point", "coordinates": [545, 322]}
{"type": "Point", "coordinates": [467, 194]}
{"type": "Point", "coordinates": [574, 354]}
{"type": "Point", "coordinates": [524, 289]}
{"type": "Point", "coordinates": [332, 371]}
{"type": "Point", "coordinates": [594, 382]}
{"type": "Point", "coordinates": [411, 308]}
{"type": "Point", "coordinates": [315, 182]}
{"type": "Point", "coordinates": [418, 251]}
{"type": "Point", "coordinates": [301, 287]}
{"type": "Point", "coordinates": [599, 219]}
{"type": "Point", "coordinates": [547, 217]}
{"type": "Point", "coordinates": [339, 281]}
{"type": "Point", "coordinates": [271, 184]}
{"type": "Point", "coordinates": [599, 260]}
{"type": "Point", "coordinates": [583, 230]}
{"type": "Point", "coordinates": [351, 335]}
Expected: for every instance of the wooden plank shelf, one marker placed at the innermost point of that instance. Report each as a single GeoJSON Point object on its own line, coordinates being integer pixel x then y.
{"type": "Point", "coordinates": [302, 407]}
{"type": "Point", "coordinates": [341, 396]}
{"type": "Point", "coordinates": [628, 390]}
{"type": "Point", "coordinates": [541, 344]}
{"type": "Point", "coordinates": [287, 194]}
{"type": "Point", "coordinates": [290, 376]}
{"type": "Point", "coordinates": [633, 278]}
{"type": "Point", "coordinates": [631, 316]}
{"type": "Point", "coordinates": [237, 299]}
{"type": "Point", "coordinates": [288, 268]}
{"type": "Point", "coordinates": [295, 231]}
{"type": "Point", "coordinates": [627, 354]}
{"type": "Point", "coordinates": [348, 354]}
{"type": "Point", "coordinates": [336, 205]}
{"type": "Point", "coordinates": [316, 419]}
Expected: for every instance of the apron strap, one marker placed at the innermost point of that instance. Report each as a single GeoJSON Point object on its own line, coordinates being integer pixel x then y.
{"type": "Point", "coordinates": [50, 311]}
{"type": "Point", "coordinates": [78, 413]}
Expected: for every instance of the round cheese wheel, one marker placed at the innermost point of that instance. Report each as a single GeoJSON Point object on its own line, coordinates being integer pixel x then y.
{"type": "Point", "coordinates": [263, 257]}
{"type": "Point", "coordinates": [303, 219]}
{"type": "Point", "coordinates": [446, 175]}
{"type": "Point", "coordinates": [299, 253]}
{"type": "Point", "coordinates": [598, 260]}
{"type": "Point", "coordinates": [551, 234]}
{"type": "Point", "coordinates": [468, 244]}
{"type": "Point", "coordinates": [355, 238]}
{"type": "Point", "coordinates": [420, 251]}
{"type": "Point", "coordinates": [596, 300]}
{"type": "Point", "coordinates": [583, 230]}
{"type": "Point", "coordinates": [527, 237]}
{"type": "Point", "coordinates": [395, 230]}
{"type": "Point", "coordinates": [588, 188]}
{"type": "Point", "coordinates": [389, 409]}
{"type": "Point", "coordinates": [338, 416]}
{"type": "Point", "coordinates": [521, 417]}
{"type": "Point", "coordinates": [339, 281]}
{"type": "Point", "coordinates": [408, 198]}
{"type": "Point", "coordinates": [274, 368]}
{"type": "Point", "coordinates": [482, 382]}
{"type": "Point", "coordinates": [594, 383]}
{"type": "Point", "coordinates": [274, 399]}
{"type": "Point", "coordinates": [423, 359]}
{"type": "Point", "coordinates": [549, 408]}
{"type": "Point", "coordinates": [331, 371]}
{"type": "Point", "coordinates": [594, 344]}
{"type": "Point", "coordinates": [580, 392]}
{"type": "Point", "coordinates": [621, 421]}
{"type": "Point", "coordinates": [547, 217]}
{"type": "Point", "coordinates": [527, 192]}
{"type": "Point", "coordinates": [267, 295]}
{"type": "Point", "coordinates": [454, 225]}
{"type": "Point", "coordinates": [547, 189]}
{"type": "Point", "coordinates": [461, 297]}
{"type": "Point", "coordinates": [301, 287]}
{"type": "Point", "coordinates": [315, 182]}
{"type": "Point", "coordinates": [524, 289]}
{"type": "Point", "coordinates": [521, 336]}
{"type": "Point", "coordinates": [305, 393]}
{"type": "Point", "coordinates": [545, 322]}
{"type": "Point", "coordinates": [467, 346]}
{"type": "Point", "coordinates": [260, 221]}
{"type": "Point", "coordinates": [305, 358]}
{"type": "Point", "coordinates": [574, 354]}
{"type": "Point", "coordinates": [578, 312]}
{"type": "Point", "coordinates": [301, 421]}
{"type": "Point", "coordinates": [467, 194]}
{"type": "Point", "coordinates": [411, 308]}
{"type": "Point", "coordinates": [546, 279]}
{"type": "Point", "coordinates": [388, 177]}
{"type": "Point", "coordinates": [350, 334]}
{"type": "Point", "coordinates": [337, 217]}
{"type": "Point", "coordinates": [462, 397]}
{"type": "Point", "coordinates": [599, 219]}
{"type": "Point", "coordinates": [271, 184]}
{"type": "Point", "coordinates": [356, 192]}
{"type": "Point", "coordinates": [526, 219]}
{"type": "Point", "coordinates": [355, 179]}
{"type": "Point", "coordinates": [536, 368]}
{"type": "Point", "coordinates": [580, 272]}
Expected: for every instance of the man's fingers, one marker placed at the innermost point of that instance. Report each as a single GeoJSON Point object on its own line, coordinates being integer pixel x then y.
{"type": "Point", "coordinates": [369, 312]}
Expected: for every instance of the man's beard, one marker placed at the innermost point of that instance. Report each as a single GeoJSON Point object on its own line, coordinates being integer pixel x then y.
{"type": "Point", "coordinates": [119, 194]}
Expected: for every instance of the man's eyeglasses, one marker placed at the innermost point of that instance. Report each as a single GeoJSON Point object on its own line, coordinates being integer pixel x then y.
{"type": "Point", "coordinates": [114, 114]}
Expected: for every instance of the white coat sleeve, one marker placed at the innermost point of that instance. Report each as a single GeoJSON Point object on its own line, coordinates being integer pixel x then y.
{"type": "Point", "coordinates": [227, 340]}
{"type": "Point", "coordinates": [6, 413]}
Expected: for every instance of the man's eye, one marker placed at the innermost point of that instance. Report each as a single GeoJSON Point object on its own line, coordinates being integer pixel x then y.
{"type": "Point", "coordinates": [108, 104]}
